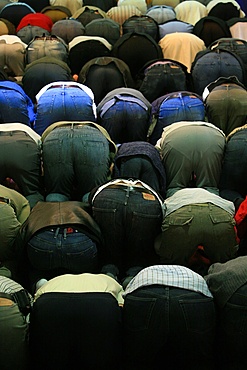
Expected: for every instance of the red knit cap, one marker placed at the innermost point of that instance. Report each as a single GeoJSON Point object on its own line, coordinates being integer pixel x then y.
{"type": "Point", "coordinates": [36, 19]}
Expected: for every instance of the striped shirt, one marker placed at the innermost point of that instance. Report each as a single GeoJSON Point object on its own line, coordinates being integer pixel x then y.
{"type": "Point", "coordinates": [9, 286]}
{"type": "Point", "coordinates": [169, 275]}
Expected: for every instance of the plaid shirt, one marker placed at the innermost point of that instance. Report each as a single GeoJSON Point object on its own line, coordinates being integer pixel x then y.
{"type": "Point", "coordinates": [169, 275]}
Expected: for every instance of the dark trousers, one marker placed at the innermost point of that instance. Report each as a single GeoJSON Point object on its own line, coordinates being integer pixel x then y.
{"type": "Point", "coordinates": [129, 221]}
{"type": "Point", "coordinates": [75, 330]}
{"type": "Point", "coordinates": [232, 332]}
{"type": "Point", "coordinates": [168, 328]}
{"type": "Point", "coordinates": [233, 180]}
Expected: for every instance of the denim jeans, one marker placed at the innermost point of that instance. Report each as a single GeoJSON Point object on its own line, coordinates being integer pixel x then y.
{"type": "Point", "coordinates": [167, 327]}
{"type": "Point", "coordinates": [13, 107]}
{"type": "Point", "coordinates": [129, 221]}
{"type": "Point", "coordinates": [232, 333]}
{"type": "Point", "coordinates": [233, 180]}
{"type": "Point", "coordinates": [210, 66]}
{"type": "Point", "coordinates": [60, 104]}
{"type": "Point", "coordinates": [177, 108]}
{"type": "Point", "coordinates": [75, 157]}
{"type": "Point", "coordinates": [55, 251]}
{"type": "Point", "coordinates": [161, 79]}
{"type": "Point", "coordinates": [125, 121]}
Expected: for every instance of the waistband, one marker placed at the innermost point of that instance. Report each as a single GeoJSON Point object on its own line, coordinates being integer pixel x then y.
{"type": "Point", "coordinates": [63, 86]}
{"type": "Point", "coordinates": [7, 296]}
{"type": "Point", "coordinates": [7, 201]}
{"type": "Point", "coordinates": [63, 230]}
{"type": "Point", "coordinates": [138, 189]}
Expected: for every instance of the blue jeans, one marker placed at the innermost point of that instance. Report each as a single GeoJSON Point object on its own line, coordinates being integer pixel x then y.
{"type": "Point", "coordinates": [178, 108]}
{"type": "Point", "coordinates": [61, 104]}
{"type": "Point", "coordinates": [167, 327]}
{"type": "Point", "coordinates": [125, 121]}
{"type": "Point", "coordinates": [75, 157]}
{"type": "Point", "coordinates": [129, 221]}
{"type": "Point", "coordinates": [13, 107]}
{"type": "Point", "coordinates": [232, 333]}
{"type": "Point", "coordinates": [55, 251]}
{"type": "Point", "coordinates": [161, 79]}
{"type": "Point", "coordinates": [233, 180]}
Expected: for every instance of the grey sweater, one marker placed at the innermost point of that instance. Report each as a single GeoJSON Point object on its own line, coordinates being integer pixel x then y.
{"type": "Point", "coordinates": [224, 279]}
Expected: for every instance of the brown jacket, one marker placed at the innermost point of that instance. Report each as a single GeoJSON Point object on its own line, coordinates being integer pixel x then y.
{"type": "Point", "coordinates": [45, 215]}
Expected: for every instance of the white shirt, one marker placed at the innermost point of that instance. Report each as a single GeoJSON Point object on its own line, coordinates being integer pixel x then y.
{"type": "Point", "coordinates": [169, 275]}
{"type": "Point", "coordinates": [21, 127]}
{"type": "Point", "coordinates": [192, 196]}
{"type": "Point", "coordinates": [82, 283]}
{"type": "Point", "coordinates": [131, 183]}
{"type": "Point", "coordinates": [78, 39]}
{"type": "Point", "coordinates": [84, 88]}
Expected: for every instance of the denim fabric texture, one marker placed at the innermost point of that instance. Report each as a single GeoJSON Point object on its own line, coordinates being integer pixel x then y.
{"type": "Point", "coordinates": [168, 324]}
{"type": "Point", "coordinates": [75, 157]}
{"type": "Point", "coordinates": [14, 107]}
{"type": "Point", "coordinates": [163, 78]}
{"type": "Point", "coordinates": [63, 103]}
{"type": "Point", "coordinates": [232, 331]}
{"type": "Point", "coordinates": [125, 121]}
{"type": "Point", "coordinates": [129, 221]}
{"type": "Point", "coordinates": [55, 250]}
{"type": "Point", "coordinates": [177, 108]}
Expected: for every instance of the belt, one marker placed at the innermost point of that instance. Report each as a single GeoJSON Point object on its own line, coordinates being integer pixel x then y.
{"type": "Point", "coordinates": [7, 296]}
{"type": "Point", "coordinates": [63, 230]}
{"type": "Point", "coordinates": [4, 200]}
{"type": "Point", "coordinates": [64, 86]}
{"type": "Point", "coordinates": [182, 94]}
{"type": "Point", "coordinates": [138, 189]}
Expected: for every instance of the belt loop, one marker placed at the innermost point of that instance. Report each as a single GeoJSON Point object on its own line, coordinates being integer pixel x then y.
{"type": "Point", "coordinates": [56, 233]}
{"type": "Point", "coordinates": [65, 233]}
{"type": "Point", "coordinates": [127, 194]}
